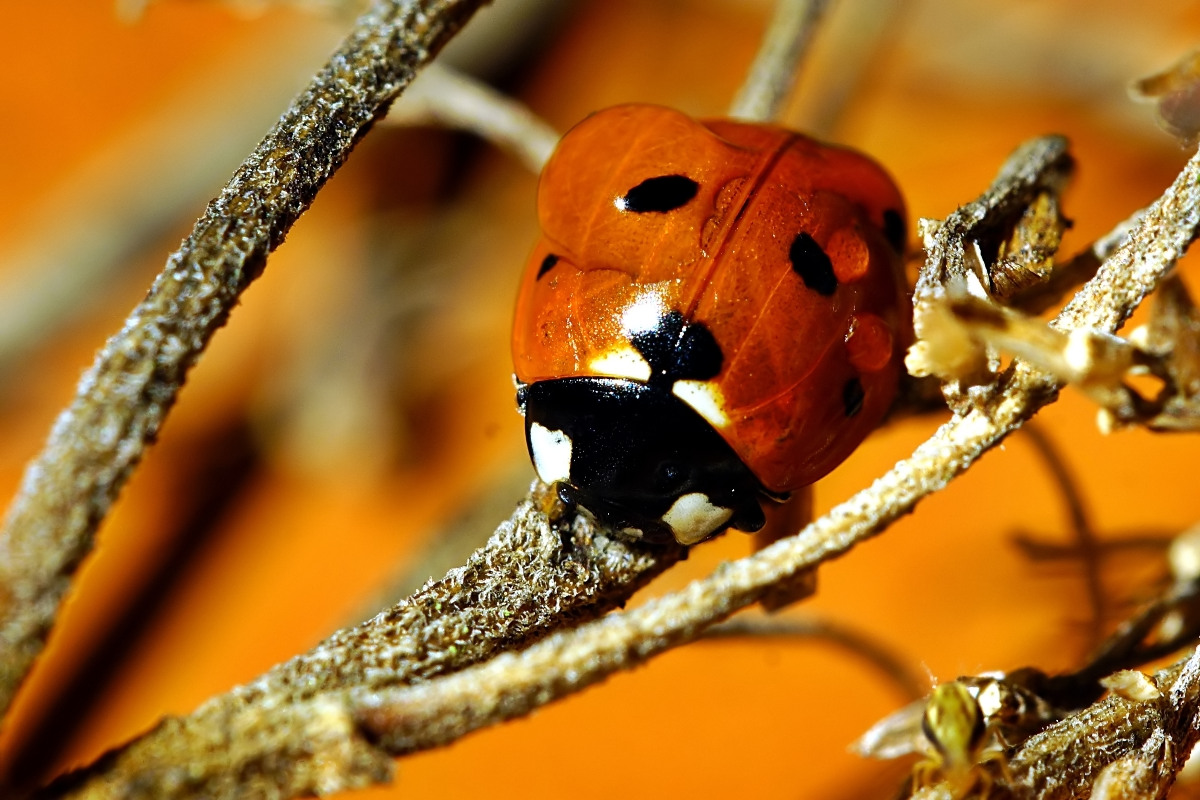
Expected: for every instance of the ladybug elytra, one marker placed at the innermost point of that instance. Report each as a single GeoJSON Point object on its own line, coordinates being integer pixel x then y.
{"type": "Point", "coordinates": [714, 317]}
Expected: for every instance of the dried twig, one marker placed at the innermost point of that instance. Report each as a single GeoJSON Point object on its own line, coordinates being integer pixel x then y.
{"type": "Point", "coordinates": [974, 324]}
{"type": "Point", "coordinates": [1119, 743]}
{"type": "Point", "coordinates": [885, 660]}
{"type": "Point", "coordinates": [774, 70]}
{"type": "Point", "coordinates": [853, 35]}
{"type": "Point", "coordinates": [1039, 167]}
{"type": "Point", "coordinates": [456, 100]}
{"type": "Point", "coordinates": [84, 237]}
{"type": "Point", "coordinates": [1087, 547]}
{"type": "Point", "coordinates": [123, 398]}
{"type": "Point", "coordinates": [1143, 742]}
{"type": "Point", "coordinates": [291, 731]}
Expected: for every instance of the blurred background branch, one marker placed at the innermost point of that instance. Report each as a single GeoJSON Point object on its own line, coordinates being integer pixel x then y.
{"type": "Point", "coordinates": [122, 401]}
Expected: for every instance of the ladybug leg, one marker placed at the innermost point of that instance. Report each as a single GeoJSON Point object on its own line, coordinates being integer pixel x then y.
{"type": "Point", "coordinates": [783, 520]}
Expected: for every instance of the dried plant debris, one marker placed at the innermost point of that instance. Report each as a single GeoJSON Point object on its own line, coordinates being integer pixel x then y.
{"type": "Point", "coordinates": [1175, 93]}
{"type": "Point", "coordinates": [1131, 685]}
{"type": "Point", "coordinates": [402, 708]}
{"type": "Point", "coordinates": [1172, 339]}
{"type": "Point", "coordinates": [993, 261]}
{"type": "Point", "coordinates": [1144, 774]}
{"type": "Point", "coordinates": [1025, 259]}
{"type": "Point", "coordinates": [494, 640]}
{"type": "Point", "coordinates": [984, 735]}
{"type": "Point", "coordinates": [1117, 747]}
{"type": "Point", "coordinates": [965, 331]}
{"type": "Point", "coordinates": [989, 735]}
{"type": "Point", "coordinates": [992, 248]}
{"type": "Point", "coordinates": [997, 709]}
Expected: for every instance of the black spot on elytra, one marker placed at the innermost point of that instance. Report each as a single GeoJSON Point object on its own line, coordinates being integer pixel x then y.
{"type": "Point", "coordinates": [547, 264]}
{"type": "Point", "coordinates": [852, 397]}
{"type": "Point", "coordinates": [812, 264]}
{"type": "Point", "coordinates": [678, 350]}
{"type": "Point", "coordinates": [661, 194]}
{"type": "Point", "coordinates": [893, 229]}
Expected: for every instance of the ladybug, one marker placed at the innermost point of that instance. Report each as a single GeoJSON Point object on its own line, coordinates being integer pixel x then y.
{"type": "Point", "coordinates": [714, 317]}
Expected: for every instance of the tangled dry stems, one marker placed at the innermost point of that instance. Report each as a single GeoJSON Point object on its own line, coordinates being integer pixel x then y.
{"type": "Point", "coordinates": [375, 707]}
{"type": "Point", "coordinates": [448, 660]}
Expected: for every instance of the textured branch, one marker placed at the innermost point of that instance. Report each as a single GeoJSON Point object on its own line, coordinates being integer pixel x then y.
{"type": "Point", "coordinates": [292, 731]}
{"type": "Point", "coordinates": [1135, 747]}
{"type": "Point", "coordinates": [122, 400]}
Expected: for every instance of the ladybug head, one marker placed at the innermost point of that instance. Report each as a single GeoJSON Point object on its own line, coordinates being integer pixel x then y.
{"type": "Point", "coordinates": [638, 458]}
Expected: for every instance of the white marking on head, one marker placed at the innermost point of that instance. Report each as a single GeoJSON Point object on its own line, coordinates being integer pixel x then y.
{"type": "Point", "coordinates": [705, 398]}
{"type": "Point", "coordinates": [693, 517]}
{"type": "Point", "coordinates": [551, 453]}
{"type": "Point", "coordinates": [622, 362]}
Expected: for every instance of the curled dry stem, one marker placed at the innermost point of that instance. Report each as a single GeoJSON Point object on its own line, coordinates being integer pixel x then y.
{"type": "Point", "coordinates": [122, 399]}
{"type": "Point", "coordinates": [958, 250]}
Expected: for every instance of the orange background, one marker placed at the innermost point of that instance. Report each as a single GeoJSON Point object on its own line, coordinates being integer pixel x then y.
{"type": "Point", "coordinates": [416, 248]}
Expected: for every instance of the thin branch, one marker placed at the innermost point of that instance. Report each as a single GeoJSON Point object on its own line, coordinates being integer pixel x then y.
{"type": "Point", "coordinates": [853, 38]}
{"type": "Point", "coordinates": [1114, 545]}
{"type": "Point", "coordinates": [86, 235]}
{"type": "Point", "coordinates": [1160, 238]}
{"type": "Point", "coordinates": [531, 578]}
{"type": "Point", "coordinates": [122, 400]}
{"type": "Point", "coordinates": [456, 100]}
{"type": "Point", "coordinates": [775, 68]}
{"type": "Point", "coordinates": [911, 683]}
{"type": "Point", "coordinates": [1087, 546]}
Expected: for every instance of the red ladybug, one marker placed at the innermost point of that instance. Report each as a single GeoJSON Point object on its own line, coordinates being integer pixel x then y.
{"type": "Point", "coordinates": [714, 317]}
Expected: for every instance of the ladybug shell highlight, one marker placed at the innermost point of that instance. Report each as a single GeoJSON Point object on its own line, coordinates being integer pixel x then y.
{"type": "Point", "coordinates": [738, 274]}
